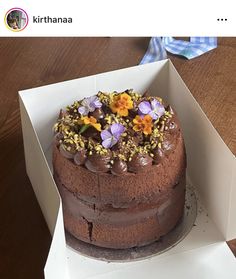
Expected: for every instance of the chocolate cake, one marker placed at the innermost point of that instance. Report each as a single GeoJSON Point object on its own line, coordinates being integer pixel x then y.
{"type": "Point", "coordinates": [119, 164]}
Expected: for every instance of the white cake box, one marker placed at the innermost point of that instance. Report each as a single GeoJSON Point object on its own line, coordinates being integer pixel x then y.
{"type": "Point", "coordinates": [211, 169]}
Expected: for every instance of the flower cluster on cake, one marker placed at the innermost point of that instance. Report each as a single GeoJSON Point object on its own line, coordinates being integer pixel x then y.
{"type": "Point", "coordinates": [119, 164]}
{"type": "Point", "coordinates": [115, 132]}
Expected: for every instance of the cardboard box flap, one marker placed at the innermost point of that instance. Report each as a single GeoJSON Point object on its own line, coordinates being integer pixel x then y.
{"type": "Point", "coordinates": [37, 169]}
{"type": "Point", "coordinates": [215, 261]}
{"type": "Point", "coordinates": [46, 194]}
{"type": "Point", "coordinates": [211, 165]}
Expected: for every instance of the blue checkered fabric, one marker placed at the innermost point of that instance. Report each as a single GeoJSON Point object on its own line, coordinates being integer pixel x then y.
{"type": "Point", "coordinates": [155, 51]}
{"type": "Point", "coordinates": [190, 49]}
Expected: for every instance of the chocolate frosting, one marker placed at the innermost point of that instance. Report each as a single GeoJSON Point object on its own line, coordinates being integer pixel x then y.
{"type": "Point", "coordinates": [80, 157]}
{"type": "Point", "coordinates": [137, 138]}
{"type": "Point", "coordinates": [98, 113]}
{"type": "Point", "coordinates": [158, 156]}
{"type": "Point", "coordinates": [98, 163]}
{"type": "Point", "coordinates": [57, 138]}
{"type": "Point", "coordinates": [121, 190]}
{"type": "Point", "coordinates": [172, 125]}
{"type": "Point", "coordinates": [92, 133]}
{"type": "Point", "coordinates": [119, 167]}
{"type": "Point", "coordinates": [168, 127]}
{"type": "Point", "coordinates": [139, 162]}
{"type": "Point", "coordinates": [168, 143]}
{"type": "Point", "coordinates": [66, 153]}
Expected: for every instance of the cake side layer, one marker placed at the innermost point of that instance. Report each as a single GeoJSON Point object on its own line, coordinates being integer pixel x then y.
{"type": "Point", "coordinates": [120, 191]}
{"type": "Point", "coordinates": [105, 213]}
{"type": "Point", "coordinates": [139, 232]}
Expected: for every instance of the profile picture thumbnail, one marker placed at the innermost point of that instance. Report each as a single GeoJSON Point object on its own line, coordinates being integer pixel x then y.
{"type": "Point", "coordinates": [16, 19]}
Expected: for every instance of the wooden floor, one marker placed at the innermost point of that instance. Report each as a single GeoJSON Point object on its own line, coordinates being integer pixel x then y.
{"type": "Point", "coordinates": [32, 62]}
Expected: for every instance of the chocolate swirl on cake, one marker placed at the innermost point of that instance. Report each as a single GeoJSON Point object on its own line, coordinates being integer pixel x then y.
{"type": "Point", "coordinates": [119, 167]}
{"type": "Point", "coordinates": [80, 157]}
{"type": "Point", "coordinates": [98, 163]}
{"type": "Point", "coordinates": [140, 162]}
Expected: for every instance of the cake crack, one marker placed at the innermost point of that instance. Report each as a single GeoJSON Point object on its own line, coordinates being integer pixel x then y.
{"type": "Point", "coordinates": [90, 228]}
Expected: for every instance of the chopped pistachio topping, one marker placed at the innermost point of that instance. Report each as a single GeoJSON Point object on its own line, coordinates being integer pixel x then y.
{"type": "Point", "coordinates": [131, 141]}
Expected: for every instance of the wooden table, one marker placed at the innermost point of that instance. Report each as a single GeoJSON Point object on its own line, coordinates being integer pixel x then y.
{"type": "Point", "coordinates": [32, 62]}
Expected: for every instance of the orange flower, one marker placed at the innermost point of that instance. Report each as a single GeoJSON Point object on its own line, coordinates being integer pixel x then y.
{"type": "Point", "coordinates": [92, 122]}
{"type": "Point", "coordinates": [121, 104]}
{"type": "Point", "coordinates": [143, 124]}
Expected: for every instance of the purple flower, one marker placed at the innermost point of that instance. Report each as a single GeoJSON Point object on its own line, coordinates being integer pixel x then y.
{"type": "Point", "coordinates": [89, 105]}
{"type": "Point", "coordinates": [155, 109]}
{"type": "Point", "coordinates": [111, 136]}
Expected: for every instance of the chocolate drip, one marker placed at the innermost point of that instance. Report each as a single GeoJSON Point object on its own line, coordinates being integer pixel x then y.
{"type": "Point", "coordinates": [80, 157]}
{"type": "Point", "coordinates": [98, 163]}
{"type": "Point", "coordinates": [139, 162]}
{"type": "Point", "coordinates": [119, 167]}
